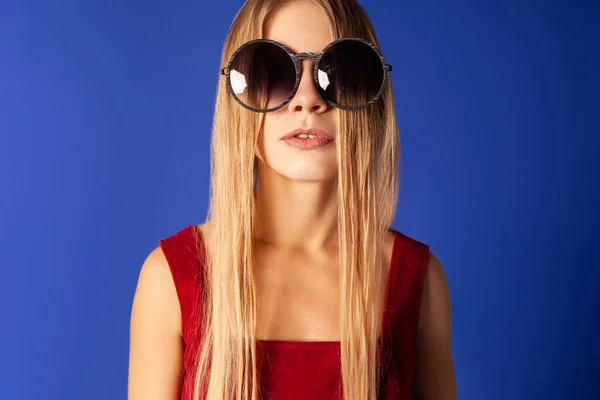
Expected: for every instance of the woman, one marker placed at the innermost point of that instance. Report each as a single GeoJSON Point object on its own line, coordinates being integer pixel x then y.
{"type": "Point", "coordinates": [296, 287]}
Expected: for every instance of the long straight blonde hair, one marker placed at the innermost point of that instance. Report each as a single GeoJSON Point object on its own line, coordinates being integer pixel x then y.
{"type": "Point", "coordinates": [367, 147]}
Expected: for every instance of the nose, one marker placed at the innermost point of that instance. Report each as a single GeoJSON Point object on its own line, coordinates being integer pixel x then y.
{"type": "Point", "coordinates": [307, 98]}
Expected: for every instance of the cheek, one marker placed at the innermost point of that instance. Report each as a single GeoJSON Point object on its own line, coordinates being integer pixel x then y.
{"type": "Point", "coordinates": [272, 127]}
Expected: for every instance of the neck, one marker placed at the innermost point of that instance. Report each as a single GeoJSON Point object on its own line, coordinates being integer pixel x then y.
{"type": "Point", "coordinates": [293, 213]}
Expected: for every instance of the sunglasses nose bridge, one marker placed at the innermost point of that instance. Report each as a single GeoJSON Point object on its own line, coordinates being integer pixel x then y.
{"type": "Point", "coordinates": [304, 56]}
{"type": "Point", "coordinates": [299, 57]}
{"type": "Point", "coordinates": [307, 95]}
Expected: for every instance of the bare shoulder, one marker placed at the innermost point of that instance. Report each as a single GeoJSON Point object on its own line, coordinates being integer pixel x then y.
{"type": "Point", "coordinates": [435, 361]}
{"type": "Point", "coordinates": [435, 276]}
{"type": "Point", "coordinates": [156, 289]}
{"type": "Point", "coordinates": [435, 308]}
{"type": "Point", "coordinates": [156, 346]}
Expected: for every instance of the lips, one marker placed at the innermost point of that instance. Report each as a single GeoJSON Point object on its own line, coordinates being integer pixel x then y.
{"type": "Point", "coordinates": [317, 139]}
{"type": "Point", "coordinates": [320, 134]}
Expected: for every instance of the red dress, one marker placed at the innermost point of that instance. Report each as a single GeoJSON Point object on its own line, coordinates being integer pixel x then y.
{"type": "Point", "coordinates": [312, 370]}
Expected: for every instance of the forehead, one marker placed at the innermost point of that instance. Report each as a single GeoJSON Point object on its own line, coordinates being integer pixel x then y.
{"type": "Point", "coordinates": [302, 26]}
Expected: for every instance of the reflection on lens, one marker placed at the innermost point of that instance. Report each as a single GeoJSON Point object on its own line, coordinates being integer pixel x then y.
{"type": "Point", "coordinates": [262, 75]}
{"type": "Point", "coordinates": [351, 74]}
{"type": "Point", "coordinates": [323, 79]}
{"type": "Point", "coordinates": [238, 81]}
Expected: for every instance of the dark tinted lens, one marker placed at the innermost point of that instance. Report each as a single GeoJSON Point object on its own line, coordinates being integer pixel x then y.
{"type": "Point", "coordinates": [350, 74]}
{"type": "Point", "coordinates": [262, 75]}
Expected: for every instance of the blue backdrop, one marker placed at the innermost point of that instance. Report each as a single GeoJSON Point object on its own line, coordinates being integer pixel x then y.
{"type": "Point", "coordinates": [105, 117]}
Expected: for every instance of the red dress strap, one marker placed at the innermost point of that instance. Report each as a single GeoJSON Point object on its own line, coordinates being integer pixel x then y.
{"type": "Point", "coordinates": [406, 285]}
{"type": "Point", "coordinates": [409, 263]}
{"type": "Point", "coordinates": [184, 252]}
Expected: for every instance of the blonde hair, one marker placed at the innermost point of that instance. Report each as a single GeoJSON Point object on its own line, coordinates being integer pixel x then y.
{"type": "Point", "coordinates": [367, 149]}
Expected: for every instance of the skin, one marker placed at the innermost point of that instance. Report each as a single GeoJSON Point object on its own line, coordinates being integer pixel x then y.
{"type": "Point", "coordinates": [297, 272]}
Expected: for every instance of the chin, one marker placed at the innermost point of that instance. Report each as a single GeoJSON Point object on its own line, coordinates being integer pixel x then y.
{"type": "Point", "coordinates": [310, 175]}
{"type": "Point", "coordinates": [314, 170]}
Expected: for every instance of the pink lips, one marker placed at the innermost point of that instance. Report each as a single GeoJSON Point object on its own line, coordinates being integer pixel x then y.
{"type": "Point", "coordinates": [320, 139]}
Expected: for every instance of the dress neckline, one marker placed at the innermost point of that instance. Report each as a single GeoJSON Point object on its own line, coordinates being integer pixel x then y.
{"type": "Point", "coordinates": [278, 343]}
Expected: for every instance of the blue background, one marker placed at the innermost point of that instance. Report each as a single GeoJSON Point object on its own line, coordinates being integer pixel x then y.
{"type": "Point", "coordinates": [105, 117]}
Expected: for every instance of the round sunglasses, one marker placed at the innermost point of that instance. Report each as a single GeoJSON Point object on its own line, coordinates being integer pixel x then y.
{"type": "Point", "coordinates": [264, 75]}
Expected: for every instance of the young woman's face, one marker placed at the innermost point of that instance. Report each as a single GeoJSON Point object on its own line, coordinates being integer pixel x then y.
{"type": "Point", "coordinates": [303, 27]}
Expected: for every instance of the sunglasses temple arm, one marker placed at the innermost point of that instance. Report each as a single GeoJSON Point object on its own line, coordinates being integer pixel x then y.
{"type": "Point", "coordinates": [388, 67]}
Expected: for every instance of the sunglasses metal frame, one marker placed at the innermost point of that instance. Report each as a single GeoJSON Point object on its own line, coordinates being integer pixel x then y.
{"type": "Point", "coordinates": [296, 58]}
